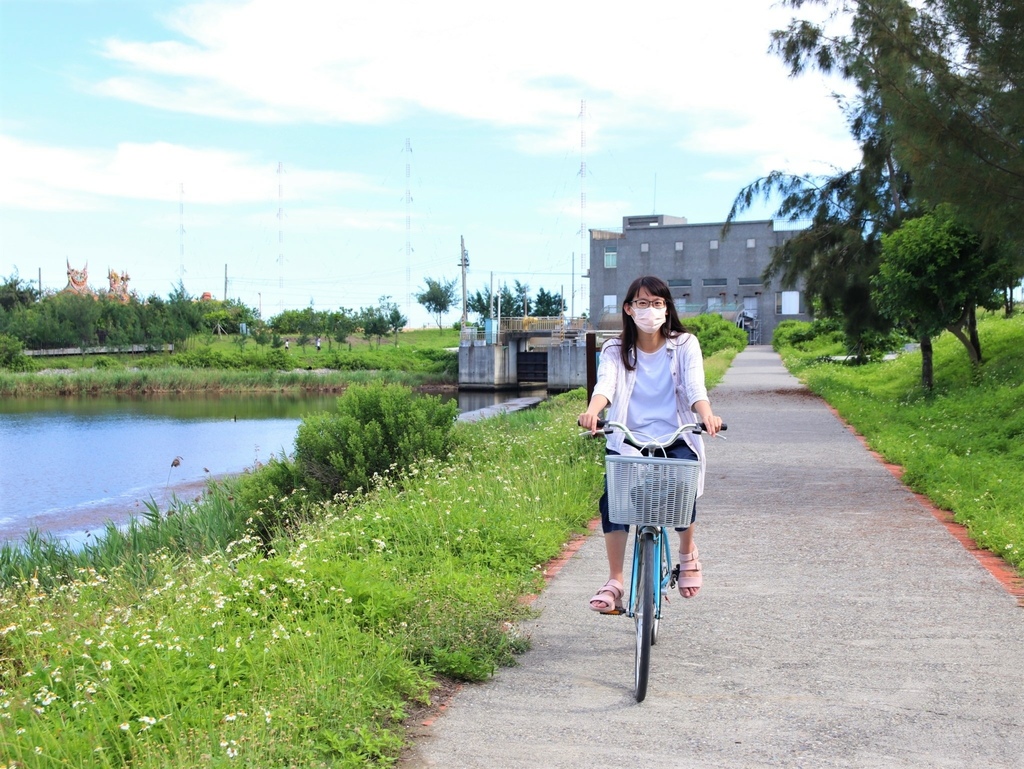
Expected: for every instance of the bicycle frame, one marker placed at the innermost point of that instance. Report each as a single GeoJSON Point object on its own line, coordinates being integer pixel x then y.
{"type": "Point", "coordinates": [662, 556]}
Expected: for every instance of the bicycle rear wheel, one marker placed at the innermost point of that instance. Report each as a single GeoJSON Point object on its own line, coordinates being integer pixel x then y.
{"type": "Point", "coordinates": [647, 569]}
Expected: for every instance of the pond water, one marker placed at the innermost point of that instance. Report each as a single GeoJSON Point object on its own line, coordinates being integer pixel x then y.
{"type": "Point", "coordinates": [68, 465]}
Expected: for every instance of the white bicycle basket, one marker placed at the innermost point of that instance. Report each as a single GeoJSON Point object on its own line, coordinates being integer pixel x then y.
{"type": "Point", "coordinates": [651, 491]}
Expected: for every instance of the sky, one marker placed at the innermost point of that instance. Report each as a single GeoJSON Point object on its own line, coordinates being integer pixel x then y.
{"type": "Point", "coordinates": [328, 153]}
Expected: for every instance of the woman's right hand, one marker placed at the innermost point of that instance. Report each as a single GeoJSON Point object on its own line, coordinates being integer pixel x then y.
{"type": "Point", "coordinates": [588, 421]}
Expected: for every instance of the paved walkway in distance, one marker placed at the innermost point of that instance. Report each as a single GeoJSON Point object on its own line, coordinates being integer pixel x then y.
{"type": "Point", "coordinates": [840, 625]}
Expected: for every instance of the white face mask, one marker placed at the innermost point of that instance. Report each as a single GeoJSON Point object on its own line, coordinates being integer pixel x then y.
{"type": "Point", "coordinates": [649, 319]}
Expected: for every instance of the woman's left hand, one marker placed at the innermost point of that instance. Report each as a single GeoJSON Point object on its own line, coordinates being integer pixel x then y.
{"type": "Point", "coordinates": [712, 424]}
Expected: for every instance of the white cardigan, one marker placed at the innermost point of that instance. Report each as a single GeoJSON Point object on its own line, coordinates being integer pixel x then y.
{"type": "Point", "coordinates": [615, 382]}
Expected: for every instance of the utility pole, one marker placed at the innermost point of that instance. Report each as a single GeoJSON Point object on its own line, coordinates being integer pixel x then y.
{"type": "Point", "coordinates": [464, 264]}
{"type": "Point", "coordinates": [225, 282]}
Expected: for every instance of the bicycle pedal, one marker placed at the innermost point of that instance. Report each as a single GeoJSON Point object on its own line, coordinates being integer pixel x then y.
{"type": "Point", "coordinates": [614, 612]}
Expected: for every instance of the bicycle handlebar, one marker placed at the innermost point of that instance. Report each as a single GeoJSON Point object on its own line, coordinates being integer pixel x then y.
{"type": "Point", "coordinates": [608, 426]}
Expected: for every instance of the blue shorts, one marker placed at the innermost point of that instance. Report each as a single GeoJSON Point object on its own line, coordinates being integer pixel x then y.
{"type": "Point", "coordinates": [678, 450]}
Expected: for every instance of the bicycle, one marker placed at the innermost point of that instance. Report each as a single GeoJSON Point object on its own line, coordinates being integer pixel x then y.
{"type": "Point", "coordinates": [652, 493]}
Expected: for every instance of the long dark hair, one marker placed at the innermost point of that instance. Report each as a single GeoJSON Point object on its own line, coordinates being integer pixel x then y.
{"type": "Point", "coordinates": [672, 327]}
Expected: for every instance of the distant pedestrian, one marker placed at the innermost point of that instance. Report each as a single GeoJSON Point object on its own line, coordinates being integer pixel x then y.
{"type": "Point", "coordinates": [318, 344]}
{"type": "Point", "coordinates": [286, 344]}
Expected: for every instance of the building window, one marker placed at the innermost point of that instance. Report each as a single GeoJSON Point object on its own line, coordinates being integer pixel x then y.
{"type": "Point", "coordinates": [645, 247]}
{"type": "Point", "coordinates": [611, 303]}
{"type": "Point", "coordinates": [679, 246]}
{"type": "Point", "coordinates": [716, 281]}
{"type": "Point", "coordinates": [713, 245]}
{"type": "Point", "coordinates": [787, 302]}
{"type": "Point", "coordinates": [714, 303]}
{"type": "Point", "coordinates": [751, 242]}
{"type": "Point", "coordinates": [750, 281]}
{"type": "Point", "coordinates": [680, 282]}
{"type": "Point", "coordinates": [611, 257]}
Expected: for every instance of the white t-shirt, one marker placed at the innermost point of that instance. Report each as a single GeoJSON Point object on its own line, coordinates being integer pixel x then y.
{"type": "Point", "coordinates": [652, 407]}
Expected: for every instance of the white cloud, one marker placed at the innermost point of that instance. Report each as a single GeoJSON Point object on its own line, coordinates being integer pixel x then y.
{"type": "Point", "coordinates": [523, 67]}
{"type": "Point", "coordinates": [55, 178]}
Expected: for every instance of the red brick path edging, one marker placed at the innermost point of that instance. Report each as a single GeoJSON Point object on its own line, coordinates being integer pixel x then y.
{"type": "Point", "coordinates": [1003, 572]}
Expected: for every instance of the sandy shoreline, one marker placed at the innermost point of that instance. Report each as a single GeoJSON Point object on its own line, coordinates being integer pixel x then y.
{"type": "Point", "coordinates": [81, 524]}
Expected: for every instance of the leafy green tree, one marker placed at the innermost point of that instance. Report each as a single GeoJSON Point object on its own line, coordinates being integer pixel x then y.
{"type": "Point", "coordinates": [945, 75]}
{"type": "Point", "coordinates": [521, 297]}
{"type": "Point", "coordinates": [260, 333]}
{"type": "Point", "coordinates": [837, 255]}
{"type": "Point", "coordinates": [950, 74]}
{"type": "Point", "coordinates": [438, 298]}
{"type": "Point", "coordinates": [78, 316]}
{"type": "Point", "coordinates": [480, 302]}
{"type": "Point", "coordinates": [342, 324]}
{"type": "Point", "coordinates": [184, 315]}
{"type": "Point", "coordinates": [933, 274]}
{"type": "Point", "coordinates": [393, 316]}
{"type": "Point", "coordinates": [374, 324]}
{"type": "Point", "coordinates": [12, 354]}
{"type": "Point", "coordinates": [548, 305]}
{"type": "Point", "coordinates": [15, 292]}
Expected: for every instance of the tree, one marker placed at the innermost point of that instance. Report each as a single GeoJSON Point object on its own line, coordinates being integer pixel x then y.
{"type": "Point", "coordinates": [15, 292]}
{"type": "Point", "coordinates": [837, 255]}
{"type": "Point", "coordinates": [522, 300]}
{"type": "Point", "coordinates": [392, 317]}
{"type": "Point", "coordinates": [950, 75]}
{"type": "Point", "coordinates": [481, 303]}
{"type": "Point", "coordinates": [343, 323]}
{"type": "Point", "coordinates": [946, 74]}
{"type": "Point", "coordinates": [548, 305]}
{"type": "Point", "coordinates": [487, 306]}
{"type": "Point", "coordinates": [374, 323]}
{"type": "Point", "coordinates": [438, 297]}
{"type": "Point", "coordinates": [933, 274]}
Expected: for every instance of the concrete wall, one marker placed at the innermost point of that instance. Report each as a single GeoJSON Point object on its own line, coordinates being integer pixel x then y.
{"type": "Point", "coordinates": [487, 367]}
{"type": "Point", "coordinates": [682, 254]}
{"type": "Point", "coordinates": [567, 367]}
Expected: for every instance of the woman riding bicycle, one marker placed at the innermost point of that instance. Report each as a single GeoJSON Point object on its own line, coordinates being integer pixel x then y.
{"type": "Point", "coordinates": [652, 377]}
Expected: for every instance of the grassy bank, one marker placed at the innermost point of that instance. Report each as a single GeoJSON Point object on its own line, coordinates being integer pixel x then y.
{"type": "Point", "coordinates": [422, 358]}
{"type": "Point", "coordinates": [307, 657]}
{"type": "Point", "coordinates": [961, 445]}
{"type": "Point", "coordinates": [174, 379]}
{"type": "Point", "coordinates": [312, 653]}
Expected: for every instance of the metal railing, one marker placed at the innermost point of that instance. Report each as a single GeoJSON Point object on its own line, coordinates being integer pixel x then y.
{"type": "Point", "coordinates": [555, 328]}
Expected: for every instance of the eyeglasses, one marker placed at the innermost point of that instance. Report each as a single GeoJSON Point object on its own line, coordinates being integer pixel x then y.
{"type": "Point", "coordinates": [643, 304]}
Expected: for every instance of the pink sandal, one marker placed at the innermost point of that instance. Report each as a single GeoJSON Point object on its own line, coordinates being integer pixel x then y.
{"type": "Point", "coordinates": [601, 603]}
{"type": "Point", "coordinates": [688, 564]}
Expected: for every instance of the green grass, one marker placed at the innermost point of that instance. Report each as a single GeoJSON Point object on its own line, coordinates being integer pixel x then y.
{"type": "Point", "coordinates": [961, 445]}
{"type": "Point", "coordinates": [311, 654]}
{"type": "Point", "coordinates": [181, 380]}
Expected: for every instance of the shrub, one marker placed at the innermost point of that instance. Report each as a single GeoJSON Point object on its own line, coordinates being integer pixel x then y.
{"type": "Point", "coordinates": [715, 333]}
{"type": "Point", "coordinates": [106, 362]}
{"type": "Point", "coordinates": [378, 428]}
{"type": "Point", "coordinates": [12, 355]}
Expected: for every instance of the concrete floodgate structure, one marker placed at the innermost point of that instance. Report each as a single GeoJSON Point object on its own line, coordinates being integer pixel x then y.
{"type": "Point", "coordinates": [840, 625]}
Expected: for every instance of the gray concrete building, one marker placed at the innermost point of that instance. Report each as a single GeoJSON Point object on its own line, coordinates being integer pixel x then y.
{"type": "Point", "coordinates": [706, 271]}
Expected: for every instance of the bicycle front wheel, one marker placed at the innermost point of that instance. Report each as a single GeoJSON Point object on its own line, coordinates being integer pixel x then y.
{"type": "Point", "coordinates": [664, 567]}
{"type": "Point", "coordinates": [644, 612]}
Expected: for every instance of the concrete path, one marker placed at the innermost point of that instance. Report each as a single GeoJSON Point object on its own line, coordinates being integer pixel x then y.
{"type": "Point", "coordinates": [840, 625]}
{"type": "Point", "coordinates": [513, 404]}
